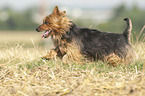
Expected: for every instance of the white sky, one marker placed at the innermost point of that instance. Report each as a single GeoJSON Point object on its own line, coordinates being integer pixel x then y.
{"type": "Point", "coordinates": [22, 4]}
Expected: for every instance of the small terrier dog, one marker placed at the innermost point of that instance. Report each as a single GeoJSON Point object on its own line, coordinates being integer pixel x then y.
{"type": "Point", "coordinates": [73, 42]}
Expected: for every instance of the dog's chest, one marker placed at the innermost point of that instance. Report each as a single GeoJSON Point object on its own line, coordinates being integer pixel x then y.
{"type": "Point", "coordinates": [58, 41]}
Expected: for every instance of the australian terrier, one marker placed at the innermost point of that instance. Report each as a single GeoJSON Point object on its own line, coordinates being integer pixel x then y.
{"type": "Point", "coordinates": [73, 42]}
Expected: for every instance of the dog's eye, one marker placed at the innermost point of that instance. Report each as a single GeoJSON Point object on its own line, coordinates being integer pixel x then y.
{"type": "Point", "coordinates": [47, 22]}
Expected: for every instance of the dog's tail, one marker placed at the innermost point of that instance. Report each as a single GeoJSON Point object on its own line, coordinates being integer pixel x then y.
{"type": "Point", "coordinates": [127, 31]}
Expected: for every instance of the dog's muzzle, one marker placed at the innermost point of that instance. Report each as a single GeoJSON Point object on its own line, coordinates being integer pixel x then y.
{"type": "Point", "coordinates": [46, 34]}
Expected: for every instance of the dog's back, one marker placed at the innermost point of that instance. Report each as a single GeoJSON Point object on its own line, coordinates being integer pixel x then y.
{"type": "Point", "coordinates": [97, 44]}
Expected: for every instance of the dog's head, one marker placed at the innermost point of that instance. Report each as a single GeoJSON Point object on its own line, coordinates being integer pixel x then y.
{"type": "Point", "coordinates": [54, 24]}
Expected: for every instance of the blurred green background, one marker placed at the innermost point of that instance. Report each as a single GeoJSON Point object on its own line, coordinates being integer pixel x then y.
{"type": "Point", "coordinates": [18, 23]}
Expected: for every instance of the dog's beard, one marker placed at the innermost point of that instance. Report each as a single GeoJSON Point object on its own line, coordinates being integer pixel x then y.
{"type": "Point", "coordinates": [46, 34]}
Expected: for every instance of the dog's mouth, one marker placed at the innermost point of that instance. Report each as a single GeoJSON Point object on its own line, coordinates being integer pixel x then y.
{"type": "Point", "coordinates": [46, 34]}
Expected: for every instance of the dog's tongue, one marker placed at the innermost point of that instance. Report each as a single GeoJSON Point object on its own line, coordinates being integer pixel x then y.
{"type": "Point", "coordinates": [45, 34]}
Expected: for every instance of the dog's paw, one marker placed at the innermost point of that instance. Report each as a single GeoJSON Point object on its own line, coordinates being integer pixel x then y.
{"type": "Point", "coordinates": [52, 54]}
{"type": "Point", "coordinates": [45, 58]}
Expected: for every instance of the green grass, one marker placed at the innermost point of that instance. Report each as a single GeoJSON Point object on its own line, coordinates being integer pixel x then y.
{"type": "Point", "coordinates": [24, 73]}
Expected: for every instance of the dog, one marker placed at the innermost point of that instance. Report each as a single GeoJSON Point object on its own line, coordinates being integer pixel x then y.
{"type": "Point", "coordinates": [73, 42]}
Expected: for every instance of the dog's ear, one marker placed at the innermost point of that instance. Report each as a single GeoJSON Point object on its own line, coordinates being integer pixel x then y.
{"type": "Point", "coordinates": [64, 12]}
{"type": "Point", "coordinates": [56, 11]}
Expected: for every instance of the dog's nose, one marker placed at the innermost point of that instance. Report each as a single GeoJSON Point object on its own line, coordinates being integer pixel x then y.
{"type": "Point", "coordinates": [37, 30]}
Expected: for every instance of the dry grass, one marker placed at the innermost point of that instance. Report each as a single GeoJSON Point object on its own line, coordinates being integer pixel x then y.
{"type": "Point", "coordinates": [24, 73]}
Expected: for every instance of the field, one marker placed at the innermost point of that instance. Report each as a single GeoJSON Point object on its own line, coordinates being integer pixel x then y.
{"type": "Point", "coordinates": [24, 73]}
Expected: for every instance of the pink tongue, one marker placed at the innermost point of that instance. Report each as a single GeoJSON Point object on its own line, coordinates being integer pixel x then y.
{"type": "Point", "coordinates": [45, 34]}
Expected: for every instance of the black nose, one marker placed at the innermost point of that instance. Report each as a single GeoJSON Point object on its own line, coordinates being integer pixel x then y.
{"type": "Point", "coordinates": [37, 30]}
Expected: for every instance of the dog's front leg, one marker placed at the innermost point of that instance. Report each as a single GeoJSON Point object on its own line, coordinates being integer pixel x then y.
{"type": "Point", "coordinates": [52, 54]}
